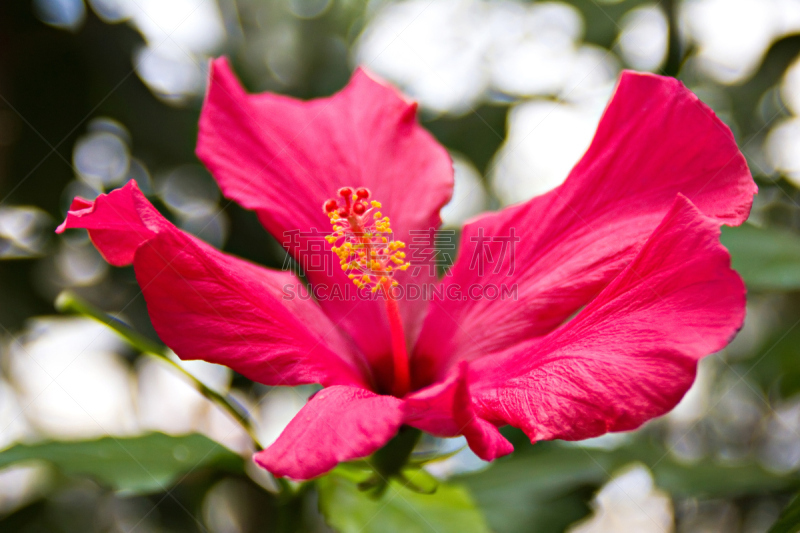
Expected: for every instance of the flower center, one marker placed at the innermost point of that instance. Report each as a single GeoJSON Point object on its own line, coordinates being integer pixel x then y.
{"type": "Point", "coordinates": [362, 239]}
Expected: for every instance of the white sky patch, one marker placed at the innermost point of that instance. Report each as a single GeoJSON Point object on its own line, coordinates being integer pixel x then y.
{"type": "Point", "coordinates": [451, 55]}
{"type": "Point", "coordinates": [469, 194]}
{"type": "Point", "coordinates": [71, 380]}
{"type": "Point", "coordinates": [433, 50]}
{"type": "Point", "coordinates": [732, 36]}
{"type": "Point", "coordinates": [643, 38]}
{"type": "Point", "coordinates": [545, 139]}
{"type": "Point", "coordinates": [782, 145]}
{"type": "Point", "coordinates": [532, 47]}
{"type": "Point", "coordinates": [629, 503]}
{"type": "Point", "coordinates": [277, 408]}
{"type": "Point", "coordinates": [180, 35]}
{"type": "Point", "coordinates": [168, 402]}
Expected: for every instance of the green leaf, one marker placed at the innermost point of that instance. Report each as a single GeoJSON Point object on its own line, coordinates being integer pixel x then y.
{"type": "Point", "coordinates": [142, 464]}
{"type": "Point", "coordinates": [540, 484]}
{"type": "Point", "coordinates": [775, 368]}
{"type": "Point", "coordinates": [767, 259]}
{"type": "Point", "coordinates": [349, 510]}
{"type": "Point", "coordinates": [789, 521]}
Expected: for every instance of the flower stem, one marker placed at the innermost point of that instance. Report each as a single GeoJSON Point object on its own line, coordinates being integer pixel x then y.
{"type": "Point", "coordinates": [401, 382]}
{"type": "Point", "coordinates": [389, 461]}
{"type": "Point", "coordinates": [69, 302]}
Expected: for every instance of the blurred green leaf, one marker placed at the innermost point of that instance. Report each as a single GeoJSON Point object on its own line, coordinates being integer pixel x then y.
{"type": "Point", "coordinates": [708, 479]}
{"type": "Point", "coordinates": [544, 485]}
{"type": "Point", "coordinates": [789, 521]}
{"type": "Point", "coordinates": [775, 368]}
{"type": "Point", "coordinates": [767, 259]}
{"type": "Point", "coordinates": [477, 135]}
{"type": "Point", "coordinates": [519, 490]}
{"type": "Point", "coordinates": [143, 464]}
{"type": "Point", "coordinates": [347, 509]}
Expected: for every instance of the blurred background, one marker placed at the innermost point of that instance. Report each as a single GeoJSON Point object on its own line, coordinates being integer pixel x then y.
{"type": "Point", "coordinates": [94, 93]}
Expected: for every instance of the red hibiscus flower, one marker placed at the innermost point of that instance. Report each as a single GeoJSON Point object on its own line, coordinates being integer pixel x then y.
{"type": "Point", "coordinates": [621, 282]}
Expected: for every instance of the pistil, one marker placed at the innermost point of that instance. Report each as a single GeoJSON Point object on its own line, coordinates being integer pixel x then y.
{"type": "Point", "coordinates": [362, 239]}
{"type": "Point", "coordinates": [401, 381]}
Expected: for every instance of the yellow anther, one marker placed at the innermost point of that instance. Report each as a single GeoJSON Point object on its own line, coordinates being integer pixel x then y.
{"type": "Point", "coordinates": [364, 247]}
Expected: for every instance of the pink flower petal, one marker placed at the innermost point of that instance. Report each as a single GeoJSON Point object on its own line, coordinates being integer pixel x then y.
{"type": "Point", "coordinates": [117, 222]}
{"type": "Point", "coordinates": [208, 305]}
{"type": "Point", "coordinates": [284, 158]}
{"type": "Point", "coordinates": [655, 140]}
{"type": "Point", "coordinates": [446, 410]}
{"type": "Point", "coordinates": [337, 424]}
{"type": "Point", "coordinates": [632, 353]}
{"type": "Point", "coordinates": [211, 306]}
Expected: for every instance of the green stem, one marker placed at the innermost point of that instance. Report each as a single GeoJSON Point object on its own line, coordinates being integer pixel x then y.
{"type": "Point", "coordinates": [674, 61]}
{"type": "Point", "coordinates": [69, 302]}
{"type": "Point", "coordinates": [388, 462]}
{"type": "Point", "coordinates": [391, 459]}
